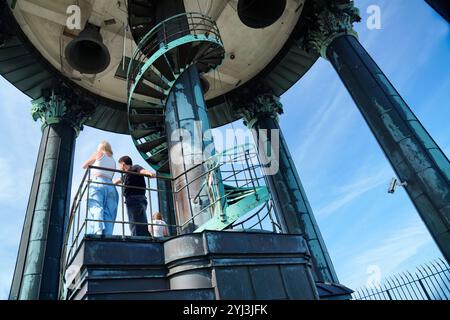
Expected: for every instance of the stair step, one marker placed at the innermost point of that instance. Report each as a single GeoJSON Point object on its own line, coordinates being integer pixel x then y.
{"type": "Point", "coordinates": [92, 286]}
{"type": "Point", "coordinates": [211, 61]}
{"type": "Point", "coordinates": [154, 78]}
{"type": "Point", "coordinates": [186, 294]}
{"type": "Point", "coordinates": [203, 48]}
{"type": "Point", "coordinates": [165, 167]}
{"type": "Point", "coordinates": [150, 145]}
{"type": "Point", "coordinates": [140, 20]}
{"type": "Point", "coordinates": [184, 52]}
{"type": "Point", "coordinates": [139, 134]}
{"type": "Point", "coordinates": [144, 118]}
{"type": "Point", "coordinates": [148, 91]}
{"type": "Point", "coordinates": [162, 65]}
{"type": "Point", "coordinates": [139, 104]}
{"type": "Point", "coordinates": [173, 58]}
{"type": "Point", "coordinates": [163, 154]}
{"type": "Point", "coordinates": [214, 52]}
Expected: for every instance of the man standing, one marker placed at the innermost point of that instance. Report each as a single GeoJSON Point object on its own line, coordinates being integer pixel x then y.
{"type": "Point", "coordinates": [134, 193]}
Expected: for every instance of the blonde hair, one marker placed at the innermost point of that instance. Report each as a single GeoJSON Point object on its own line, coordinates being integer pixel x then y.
{"type": "Point", "coordinates": [105, 147]}
{"type": "Point", "coordinates": [157, 216]}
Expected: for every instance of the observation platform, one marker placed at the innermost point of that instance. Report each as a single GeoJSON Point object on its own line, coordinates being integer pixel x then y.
{"type": "Point", "coordinates": [204, 266]}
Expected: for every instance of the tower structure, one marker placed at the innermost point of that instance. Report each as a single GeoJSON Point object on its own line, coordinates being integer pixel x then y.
{"type": "Point", "coordinates": [160, 71]}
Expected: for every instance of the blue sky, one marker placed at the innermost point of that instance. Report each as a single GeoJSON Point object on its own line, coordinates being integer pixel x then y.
{"type": "Point", "coordinates": [343, 170]}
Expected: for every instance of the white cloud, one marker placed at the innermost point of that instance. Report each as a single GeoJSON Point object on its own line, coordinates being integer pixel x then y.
{"type": "Point", "coordinates": [355, 188]}
{"type": "Point", "coordinates": [389, 254]}
{"type": "Point", "coordinates": [7, 180]}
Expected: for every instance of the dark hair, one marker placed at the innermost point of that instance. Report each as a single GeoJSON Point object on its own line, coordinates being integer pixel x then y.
{"type": "Point", "coordinates": [127, 160]}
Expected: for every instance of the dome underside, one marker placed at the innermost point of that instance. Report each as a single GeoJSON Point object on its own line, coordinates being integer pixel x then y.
{"type": "Point", "coordinates": [33, 58]}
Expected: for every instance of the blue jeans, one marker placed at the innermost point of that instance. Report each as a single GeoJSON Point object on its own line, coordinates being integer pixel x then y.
{"type": "Point", "coordinates": [103, 203]}
{"type": "Point", "coordinates": [136, 208]}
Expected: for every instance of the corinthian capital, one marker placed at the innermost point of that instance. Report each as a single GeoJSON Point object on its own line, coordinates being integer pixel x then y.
{"type": "Point", "coordinates": [55, 108]}
{"type": "Point", "coordinates": [261, 105]}
{"type": "Point", "coordinates": [331, 22]}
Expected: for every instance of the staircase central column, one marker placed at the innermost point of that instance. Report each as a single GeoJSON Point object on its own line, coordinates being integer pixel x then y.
{"type": "Point", "coordinates": [197, 189]}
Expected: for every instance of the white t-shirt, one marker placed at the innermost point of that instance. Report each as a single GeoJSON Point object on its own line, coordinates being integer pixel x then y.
{"type": "Point", "coordinates": [158, 228]}
{"type": "Point", "coordinates": [104, 162]}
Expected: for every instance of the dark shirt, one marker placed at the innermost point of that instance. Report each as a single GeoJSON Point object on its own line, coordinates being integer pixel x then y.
{"type": "Point", "coordinates": [135, 181]}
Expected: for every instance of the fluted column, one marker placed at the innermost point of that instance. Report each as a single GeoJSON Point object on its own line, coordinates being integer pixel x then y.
{"type": "Point", "coordinates": [412, 152]}
{"type": "Point", "coordinates": [37, 269]}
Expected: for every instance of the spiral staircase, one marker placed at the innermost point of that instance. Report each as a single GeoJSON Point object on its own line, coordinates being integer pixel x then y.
{"type": "Point", "coordinates": [163, 54]}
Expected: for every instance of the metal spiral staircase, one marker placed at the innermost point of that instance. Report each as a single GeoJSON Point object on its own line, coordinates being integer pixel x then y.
{"type": "Point", "coordinates": [162, 55]}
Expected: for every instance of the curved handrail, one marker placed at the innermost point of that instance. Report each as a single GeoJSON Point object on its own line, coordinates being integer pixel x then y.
{"type": "Point", "coordinates": [151, 38]}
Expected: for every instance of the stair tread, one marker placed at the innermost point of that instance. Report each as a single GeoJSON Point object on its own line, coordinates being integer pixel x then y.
{"type": "Point", "coordinates": [150, 145]}
{"type": "Point", "coordinates": [143, 118]}
{"type": "Point", "coordinates": [146, 90]}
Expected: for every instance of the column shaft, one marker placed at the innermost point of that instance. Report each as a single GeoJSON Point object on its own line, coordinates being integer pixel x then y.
{"type": "Point", "coordinates": [412, 152]}
{"type": "Point", "coordinates": [293, 210]}
{"type": "Point", "coordinates": [38, 265]}
{"type": "Point", "coordinates": [190, 144]}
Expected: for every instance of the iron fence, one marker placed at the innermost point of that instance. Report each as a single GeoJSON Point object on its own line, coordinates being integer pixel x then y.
{"type": "Point", "coordinates": [430, 281]}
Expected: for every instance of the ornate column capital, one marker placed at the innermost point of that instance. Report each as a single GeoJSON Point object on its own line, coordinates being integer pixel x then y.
{"type": "Point", "coordinates": [261, 105]}
{"type": "Point", "coordinates": [54, 108]}
{"type": "Point", "coordinates": [331, 22]}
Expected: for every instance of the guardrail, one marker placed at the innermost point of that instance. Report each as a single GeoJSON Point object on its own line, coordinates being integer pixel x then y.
{"type": "Point", "coordinates": [239, 168]}
{"type": "Point", "coordinates": [167, 31]}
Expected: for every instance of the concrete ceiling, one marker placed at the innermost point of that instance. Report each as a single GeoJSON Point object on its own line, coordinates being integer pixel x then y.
{"type": "Point", "coordinates": [44, 23]}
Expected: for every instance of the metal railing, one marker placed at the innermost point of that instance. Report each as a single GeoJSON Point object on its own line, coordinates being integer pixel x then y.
{"type": "Point", "coordinates": [239, 168]}
{"type": "Point", "coordinates": [181, 25]}
{"type": "Point", "coordinates": [430, 282]}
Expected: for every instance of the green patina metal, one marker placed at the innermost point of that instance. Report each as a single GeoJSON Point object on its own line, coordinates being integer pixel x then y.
{"type": "Point", "coordinates": [165, 48]}
{"type": "Point", "coordinates": [412, 152]}
{"type": "Point", "coordinates": [261, 114]}
{"type": "Point", "coordinates": [262, 104]}
{"type": "Point", "coordinates": [331, 23]}
{"type": "Point", "coordinates": [58, 108]}
{"type": "Point", "coordinates": [251, 199]}
{"type": "Point", "coordinates": [36, 274]}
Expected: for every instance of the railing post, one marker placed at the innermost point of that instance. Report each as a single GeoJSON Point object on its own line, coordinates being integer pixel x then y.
{"type": "Point", "coordinates": [424, 289]}
{"type": "Point", "coordinates": [122, 197]}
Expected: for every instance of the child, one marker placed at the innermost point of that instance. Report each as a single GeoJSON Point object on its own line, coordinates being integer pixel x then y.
{"type": "Point", "coordinates": [158, 228]}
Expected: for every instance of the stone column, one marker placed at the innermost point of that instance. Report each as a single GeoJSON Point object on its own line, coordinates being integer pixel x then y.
{"type": "Point", "coordinates": [37, 271]}
{"type": "Point", "coordinates": [291, 204]}
{"type": "Point", "coordinates": [412, 152]}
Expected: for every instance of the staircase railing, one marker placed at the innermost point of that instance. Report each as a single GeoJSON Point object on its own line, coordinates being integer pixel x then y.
{"type": "Point", "coordinates": [167, 31]}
